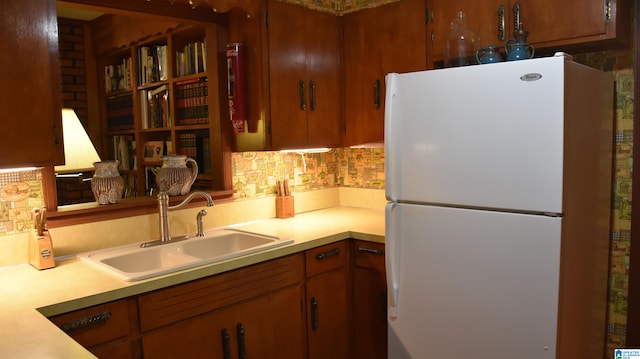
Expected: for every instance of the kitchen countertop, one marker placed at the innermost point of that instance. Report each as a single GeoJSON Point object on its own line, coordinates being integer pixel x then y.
{"type": "Point", "coordinates": [28, 296]}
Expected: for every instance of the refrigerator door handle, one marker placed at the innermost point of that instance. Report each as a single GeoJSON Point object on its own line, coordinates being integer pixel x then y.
{"type": "Point", "coordinates": [392, 258]}
{"type": "Point", "coordinates": [391, 90]}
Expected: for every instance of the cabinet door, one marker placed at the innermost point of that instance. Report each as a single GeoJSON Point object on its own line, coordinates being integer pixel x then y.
{"type": "Point", "coordinates": [364, 114]}
{"type": "Point", "coordinates": [206, 336]}
{"type": "Point", "coordinates": [271, 326]}
{"type": "Point", "coordinates": [304, 76]}
{"type": "Point", "coordinates": [329, 315]}
{"type": "Point", "coordinates": [392, 39]}
{"type": "Point", "coordinates": [369, 301]}
{"type": "Point", "coordinates": [552, 23]}
{"type": "Point", "coordinates": [30, 96]}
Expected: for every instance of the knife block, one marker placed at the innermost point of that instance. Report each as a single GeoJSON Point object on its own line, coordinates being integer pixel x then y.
{"type": "Point", "coordinates": [41, 250]}
{"type": "Point", "coordinates": [284, 207]}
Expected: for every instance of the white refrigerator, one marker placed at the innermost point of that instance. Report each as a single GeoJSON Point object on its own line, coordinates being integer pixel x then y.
{"type": "Point", "coordinates": [498, 179]}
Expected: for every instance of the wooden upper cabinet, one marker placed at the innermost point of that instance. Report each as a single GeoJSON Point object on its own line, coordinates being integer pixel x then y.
{"type": "Point", "coordinates": [573, 22]}
{"type": "Point", "coordinates": [304, 64]}
{"type": "Point", "coordinates": [570, 25]}
{"type": "Point", "coordinates": [30, 96]}
{"type": "Point", "coordinates": [376, 41]}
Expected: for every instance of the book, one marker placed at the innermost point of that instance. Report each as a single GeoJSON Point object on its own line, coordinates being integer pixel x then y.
{"type": "Point", "coordinates": [118, 76]}
{"type": "Point", "coordinates": [155, 107]}
{"type": "Point", "coordinates": [120, 112]}
{"type": "Point", "coordinates": [191, 104]}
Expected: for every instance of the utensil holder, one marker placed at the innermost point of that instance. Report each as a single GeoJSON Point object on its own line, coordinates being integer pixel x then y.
{"type": "Point", "coordinates": [284, 207]}
{"type": "Point", "coordinates": [41, 250]}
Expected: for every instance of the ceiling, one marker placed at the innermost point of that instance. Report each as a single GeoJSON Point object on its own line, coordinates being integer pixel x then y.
{"type": "Point", "coordinates": [77, 14]}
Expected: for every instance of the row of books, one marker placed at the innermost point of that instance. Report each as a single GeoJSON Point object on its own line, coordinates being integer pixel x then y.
{"type": "Point", "coordinates": [191, 103]}
{"type": "Point", "coordinates": [156, 112]}
{"type": "Point", "coordinates": [198, 147]}
{"type": "Point", "coordinates": [152, 64]}
{"type": "Point", "coordinates": [118, 76]}
{"type": "Point", "coordinates": [120, 112]}
{"type": "Point", "coordinates": [192, 59]}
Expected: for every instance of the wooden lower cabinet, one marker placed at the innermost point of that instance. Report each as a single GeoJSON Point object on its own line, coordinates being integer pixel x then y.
{"type": "Point", "coordinates": [251, 312]}
{"type": "Point", "coordinates": [271, 326]}
{"type": "Point", "coordinates": [328, 302]}
{"type": "Point", "coordinates": [369, 301]}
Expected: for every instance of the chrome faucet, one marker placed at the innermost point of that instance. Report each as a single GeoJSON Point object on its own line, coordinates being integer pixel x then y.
{"type": "Point", "coordinates": [164, 208]}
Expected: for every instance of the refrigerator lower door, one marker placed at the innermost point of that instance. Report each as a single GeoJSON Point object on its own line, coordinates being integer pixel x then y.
{"type": "Point", "coordinates": [471, 284]}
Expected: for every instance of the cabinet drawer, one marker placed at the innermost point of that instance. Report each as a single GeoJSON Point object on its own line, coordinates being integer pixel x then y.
{"type": "Point", "coordinates": [326, 258]}
{"type": "Point", "coordinates": [369, 255]}
{"type": "Point", "coordinates": [195, 298]}
{"type": "Point", "coordinates": [96, 325]}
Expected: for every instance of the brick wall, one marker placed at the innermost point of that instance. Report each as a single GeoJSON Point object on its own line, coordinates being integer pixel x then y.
{"type": "Point", "coordinates": [72, 66]}
{"type": "Point", "coordinates": [71, 37]}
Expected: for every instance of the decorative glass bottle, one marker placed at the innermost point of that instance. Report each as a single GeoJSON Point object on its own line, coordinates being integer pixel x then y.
{"type": "Point", "coordinates": [461, 44]}
{"type": "Point", "coordinates": [107, 184]}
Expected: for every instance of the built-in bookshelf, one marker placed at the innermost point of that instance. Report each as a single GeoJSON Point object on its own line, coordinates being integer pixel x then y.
{"type": "Point", "coordinates": [156, 102]}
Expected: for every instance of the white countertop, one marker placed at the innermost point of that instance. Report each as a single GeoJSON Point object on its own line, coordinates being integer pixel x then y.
{"type": "Point", "coordinates": [27, 295]}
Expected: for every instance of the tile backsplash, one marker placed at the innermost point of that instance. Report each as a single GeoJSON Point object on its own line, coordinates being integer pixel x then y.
{"type": "Point", "coordinates": [20, 191]}
{"type": "Point", "coordinates": [254, 174]}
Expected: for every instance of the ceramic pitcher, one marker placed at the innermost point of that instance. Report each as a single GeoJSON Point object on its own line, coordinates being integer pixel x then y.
{"type": "Point", "coordinates": [488, 55]}
{"type": "Point", "coordinates": [107, 184]}
{"type": "Point", "coordinates": [517, 47]}
{"type": "Point", "coordinates": [174, 176]}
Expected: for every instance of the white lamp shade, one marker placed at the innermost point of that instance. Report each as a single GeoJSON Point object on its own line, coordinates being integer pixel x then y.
{"type": "Point", "coordinates": [79, 152]}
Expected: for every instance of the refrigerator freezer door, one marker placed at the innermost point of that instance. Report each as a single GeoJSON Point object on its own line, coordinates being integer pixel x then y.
{"type": "Point", "coordinates": [485, 289]}
{"type": "Point", "coordinates": [488, 136]}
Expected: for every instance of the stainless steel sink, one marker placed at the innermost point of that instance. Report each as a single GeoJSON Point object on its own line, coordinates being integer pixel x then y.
{"type": "Point", "coordinates": [132, 263]}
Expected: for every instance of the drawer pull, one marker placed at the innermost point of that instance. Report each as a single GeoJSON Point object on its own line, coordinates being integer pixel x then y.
{"type": "Point", "coordinates": [379, 252]}
{"type": "Point", "coordinates": [85, 322]}
{"type": "Point", "coordinates": [329, 253]}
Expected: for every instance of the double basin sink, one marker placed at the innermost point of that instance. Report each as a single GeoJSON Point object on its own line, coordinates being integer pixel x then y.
{"type": "Point", "coordinates": [133, 262]}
